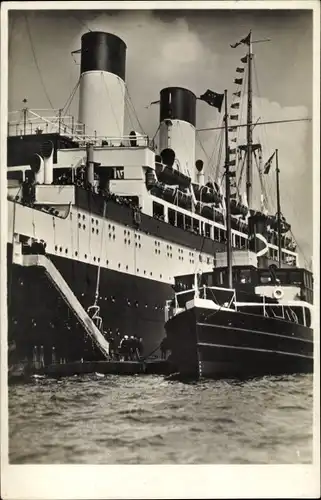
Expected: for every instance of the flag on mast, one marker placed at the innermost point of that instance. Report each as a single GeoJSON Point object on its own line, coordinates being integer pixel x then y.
{"type": "Point", "coordinates": [238, 81]}
{"type": "Point", "coordinates": [213, 99]}
{"type": "Point", "coordinates": [239, 70]}
{"type": "Point", "coordinates": [267, 166]}
{"type": "Point", "coordinates": [245, 40]}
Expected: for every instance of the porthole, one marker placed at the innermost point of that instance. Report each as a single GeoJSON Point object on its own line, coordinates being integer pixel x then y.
{"type": "Point", "coordinates": [85, 256]}
{"type": "Point", "coordinates": [93, 230]}
{"type": "Point", "coordinates": [139, 245]}
{"type": "Point", "coordinates": [56, 248]}
{"type": "Point", "coordinates": [137, 270]}
{"type": "Point", "coordinates": [97, 231]}
{"type": "Point", "coordinates": [94, 259]}
{"type": "Point", "coordinates": [161, 276]}
{"type": "Point", "coordinates": [79, 216]}
{"type": "Point", "coordinates": [60, 249]}
{"type": "Point", "coordinates": [66, 251]}
{"type": "Point", "coordinates": [128, 242]}
{"type": "Point", "coordinates": [114, 236]}
{"type": "Point", "coordinates": [84, 227]}
{"type": "Point", "coordinates": [144, 272]}
{"type": "Point", "coordinates": [79, 225]}
{"type": "Point", "coordinates": [96, 222]}
{"type": "Point", "coordinates": [113, 228]}
{"type": "Point", "coordinates": [92, 221]}
{"type": "Point", "coordinates": [98, 259]}
{"type": "Point", "coordinates": [109, 235]}
{"type": "Point", "coordinates": [124, 231]}
{"type": "Point", "coordinates": [83, 217]}
{"type": "Point", "coordinates": [107, 262]}
{"type": "Point", "coordinates": [126, 268]}
{"type": "Point", "coordinates": [118, 266]}
{"type": "Point", "coordinates": [109, 226]}
{"type": "Point", "coordinates": [76, 253]}
{"type": "Point", "coordinates": [125, 241]}
{"type": "Point", "coordinates": [151, 273]}
{"type": "Point", "coordinates": [136, 243]}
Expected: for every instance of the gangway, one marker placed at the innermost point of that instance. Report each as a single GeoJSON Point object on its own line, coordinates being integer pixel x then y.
{"type": "Point", "coordinates": [71, 300]}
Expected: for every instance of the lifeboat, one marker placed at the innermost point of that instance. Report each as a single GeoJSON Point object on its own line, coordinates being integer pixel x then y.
{"type": "Point", "coordinates": [206, 194]}
{"type": "Point", "coordinates": [210, 213]}
{"type": "Point", "coordinates": [171, 176]}
{"type": "Point", "coordinates": [238, 208]}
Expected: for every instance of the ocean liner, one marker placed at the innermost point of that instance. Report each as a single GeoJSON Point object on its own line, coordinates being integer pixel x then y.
{"type": "Point", "coordinates": [100, 222]}
{"type": "Point", "coordinates": [249, 316]}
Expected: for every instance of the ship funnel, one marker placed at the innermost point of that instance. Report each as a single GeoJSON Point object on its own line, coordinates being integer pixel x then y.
{"type": "Point", "coordinates": [177, 126]}
{"type": "Point", "coordinates": [102, 85]}
{"type": "Point", "coordinates": [47, 153]}
{"type": "Point", "coordinates": [37, 167]}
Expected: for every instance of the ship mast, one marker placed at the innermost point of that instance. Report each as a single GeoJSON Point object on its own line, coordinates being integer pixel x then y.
{"type": "Point", "coordinates": [278, 203]}
{"type": "Point", "coordinates": [249, 125]}
{"type": "Point", "coordinates": [228, 197]}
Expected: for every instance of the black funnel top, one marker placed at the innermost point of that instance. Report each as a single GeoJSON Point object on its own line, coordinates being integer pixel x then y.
{"type": "Point", "coordinates": [178, 104]}
{"type": "Point", "coordinates": [103, 52]}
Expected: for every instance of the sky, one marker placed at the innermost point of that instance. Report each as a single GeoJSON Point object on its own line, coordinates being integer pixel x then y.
{"type": "Point", "coordinates": [190, 49]}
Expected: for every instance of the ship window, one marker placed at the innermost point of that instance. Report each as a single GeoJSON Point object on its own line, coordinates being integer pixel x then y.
{"type": "Point", "coordinates": [56, 248]}
{"type": "Point", "coordinates": [180, 220]}
{"type": "Point", "coordinates": [245, 276]}
{"type": "Point", "coordinates": [158, 210]}
{"type": "Point", "coordinates": [282, 276]}
{"type": "Point", "coordinates": [171, 216]}
{"type": "Point", "coordinates": [242, 243]}
{"type": "Point", "coordinates": [188, 223]}
{"type": "Point", "coordinates": [265, 278]}
{"type": "Point", "coordinates": [76, 253]}
{"type": "Point", "coordinates": [196, 226]}
{"type": "Point", "coordinates": [207, 230]}
{"type": "Point", "coordinates": [217, 236]}
{"type": "Point", "coordinates": [295, 277]}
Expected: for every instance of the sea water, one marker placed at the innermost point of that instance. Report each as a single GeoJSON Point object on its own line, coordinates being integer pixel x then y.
{"type": "Point", "coordinates": [150, 420]}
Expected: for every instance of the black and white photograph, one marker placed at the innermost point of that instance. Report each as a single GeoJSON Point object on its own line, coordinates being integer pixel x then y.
{"type": "Point", "coordinates": [160, 244]}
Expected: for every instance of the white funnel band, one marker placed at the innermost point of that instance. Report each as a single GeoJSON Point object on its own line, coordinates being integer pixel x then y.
{"type": "Point", "coordinates": [179, 136]}
{"type": "Point", "coordinates": [102, 104]}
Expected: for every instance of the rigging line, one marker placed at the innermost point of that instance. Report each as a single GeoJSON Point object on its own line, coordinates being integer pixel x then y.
{"type": "Point", "coordinates": [111, 104]}
{"type": "Point", "coordinates": [134, 110]}
{"type": "Point", "coordinates": [70, 98]}
{"type": "Point", "coordinates": [36, 62]}
{"type": "Point", "coordinates": [129, 115]}
{"type": "Point", "coordinates": [261, 123]}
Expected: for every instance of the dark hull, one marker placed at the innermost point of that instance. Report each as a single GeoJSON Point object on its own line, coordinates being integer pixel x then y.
{"type": "Point", "coordinates": [38, 316]}
{"type": "Point", "coordinates": [234, 344]}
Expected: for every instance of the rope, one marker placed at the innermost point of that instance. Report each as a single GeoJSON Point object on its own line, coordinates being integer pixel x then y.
{"type": "Point", "coordinates": [101, 247]}
{"type": "Point", "coordinates": [36, 62]}
{"type": "Point", "coordinates": [134, 110]}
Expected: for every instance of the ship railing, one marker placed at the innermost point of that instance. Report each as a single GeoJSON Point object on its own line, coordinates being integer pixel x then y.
{"type": "Point", "coordinates": [208, 293]}
{"type": "Point", "coordinates": [269, 309]}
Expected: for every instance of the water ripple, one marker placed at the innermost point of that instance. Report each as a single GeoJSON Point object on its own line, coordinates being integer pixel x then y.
{"type": "Point", "coordinates": [144, 420]}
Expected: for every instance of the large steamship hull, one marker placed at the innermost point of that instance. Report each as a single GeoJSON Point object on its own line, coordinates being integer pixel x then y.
{"type": "Point", "coordinates": [226, 344]}
{"type": "Point", "coordinates": [38, 316]}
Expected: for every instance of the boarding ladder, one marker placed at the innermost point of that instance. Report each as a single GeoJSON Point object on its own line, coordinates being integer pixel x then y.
{"type": "Point", "coordinates": [71, 300]}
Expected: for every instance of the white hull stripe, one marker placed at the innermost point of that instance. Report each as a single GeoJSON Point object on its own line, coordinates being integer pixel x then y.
{"type": "Point", "coordinates": [255, 331]}
{"type": "Point", "coordinates": [204, 344]}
